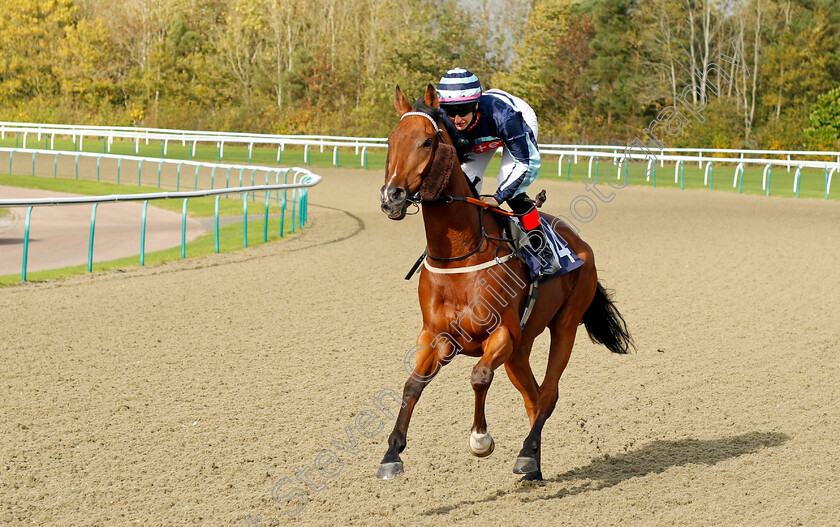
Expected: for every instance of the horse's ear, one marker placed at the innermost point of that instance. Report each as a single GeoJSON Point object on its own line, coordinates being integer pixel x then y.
{"type": "Point", "coordinates": [431, 97]}
{"type": "Point", "coordinates": [442, 167]}
{"type": "Point", "coordinates": [400, 102]}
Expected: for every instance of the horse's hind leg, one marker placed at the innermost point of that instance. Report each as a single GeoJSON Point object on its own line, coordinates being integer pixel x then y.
{"type": "Point", "coordinates": [495, 351]}
{"type": "Point", "coordinates": [563, 329]}
{"type": "Point", "coordinates": [519, 371]}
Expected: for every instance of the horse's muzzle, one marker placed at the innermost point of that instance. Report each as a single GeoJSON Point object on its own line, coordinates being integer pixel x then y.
{"type": "Point", "coordinates": [393, 202]}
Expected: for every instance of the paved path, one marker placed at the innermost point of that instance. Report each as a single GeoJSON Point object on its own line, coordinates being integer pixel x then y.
{"type": "Point", "coordinates": [59, 235]}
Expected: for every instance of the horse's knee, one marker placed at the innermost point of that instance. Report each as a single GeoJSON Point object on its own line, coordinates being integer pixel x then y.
{"type": "Point", "coordinates": [412, 389]}
{"type": "Point", "coordinates": [481, 377]}
{"type": "Point", "coordinates": [547, 402]}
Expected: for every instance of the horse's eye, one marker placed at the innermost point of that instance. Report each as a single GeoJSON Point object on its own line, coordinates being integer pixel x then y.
{"type": "Point", "coordinates": [427, 143]}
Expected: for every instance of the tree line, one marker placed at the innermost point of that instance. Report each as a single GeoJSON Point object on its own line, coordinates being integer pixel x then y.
{"type": "Point", "coordinates": [594, 70]}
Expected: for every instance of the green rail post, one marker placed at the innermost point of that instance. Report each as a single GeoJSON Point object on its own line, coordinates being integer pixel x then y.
{"type": "Point", "coordinates": [33, 163]}
{"type": "Point", "coordinates": [654, 173]}
{"type": "Point", "coordinates": [569, 169]}
{"type": "Point", "coordinates": [245, 220]}
{"type": "Point", "coordinates": [26, 243]}
{"type": "Point", "coordinates": [798, 178]}
{"type": "Point", "coordinates": [55, 167]}
{"type": "Point", "coordinates": [195, 187]}
{"type": "Point", "coordinates": [139, 172]}
{"type": "Point", "coordinates": [161, 149]}
{"type": "Point", "coordinates": [294, 204]}
{"type": "Point", "coordinates": [227, 178]}
{"type": "Point", "coordinates": [682, 174]}
{"type": "Point", "coordinates": [98, 161]}
{"type": "Point", "coordinates": [265, 223]}
{"type": "Point", "coordinates": [253, 194]}
{"type": "Point", "coordinates": [90, 244]}
{"type": "Point", "coordinates": [104, 145]}
{"type": "Point", "coordinates": [711, 175]}
{"type": "Point", "coordinates": [160, 165]}
{"type": "Point", "coordinates": [213, 178]}
{"type": "Point", "coordinates": [77, 166]}
{"type": "Point", "coordinates": [596, 167]}
{"type": "Point", "coordinates": [741, 178]}
{"type": "Point", "coordinates": [216, 215]}
{"type": "Point", "coordinates": [184, 229]}
{"type": "Point", "coordinates": [826, 182]}
{"type": "Point", "coordinates": [279, 152]}
{"type": "Point", "coordinates": [11, 156]}
{"type": "Point", "coordinates": [769, 176]}
{"type": "Point", "coordinates": [143, 234]}
{"type": "Point", "coordinates": [178, 184]}
{"type": "Point", "coordinates": [282, 213]}
{"type": "Point", "coordinates": [119, 166]}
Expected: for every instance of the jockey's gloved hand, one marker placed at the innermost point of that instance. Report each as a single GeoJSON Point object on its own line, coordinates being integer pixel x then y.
{"type": "Point", "coordinates": [490, 200]}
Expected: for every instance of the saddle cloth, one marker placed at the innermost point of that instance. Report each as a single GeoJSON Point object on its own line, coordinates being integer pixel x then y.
{"type": "Point", "coordinates": [561, 252]}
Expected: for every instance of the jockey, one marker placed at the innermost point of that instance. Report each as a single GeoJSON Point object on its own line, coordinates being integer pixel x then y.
{"type": "Point", "coordinates": [493, 119]}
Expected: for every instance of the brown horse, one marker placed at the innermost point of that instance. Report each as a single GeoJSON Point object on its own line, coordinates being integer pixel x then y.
{"type": "Point", "coordinates": [475, 308]}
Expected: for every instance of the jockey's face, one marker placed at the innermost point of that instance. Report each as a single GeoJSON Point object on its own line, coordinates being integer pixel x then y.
{"type": "Point", "coordinates": [461, 115]}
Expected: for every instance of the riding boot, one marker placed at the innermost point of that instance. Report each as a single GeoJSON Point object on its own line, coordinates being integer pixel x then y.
{"type": "Point", "coordinates": [540, 245]}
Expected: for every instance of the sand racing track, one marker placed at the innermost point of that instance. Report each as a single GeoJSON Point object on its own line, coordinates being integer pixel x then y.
{"type": "Point", "coordinates": [183, 394]}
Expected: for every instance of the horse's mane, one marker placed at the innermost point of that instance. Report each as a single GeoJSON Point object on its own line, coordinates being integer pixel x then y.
{"type": "Point", "coordinates": [462, 146]}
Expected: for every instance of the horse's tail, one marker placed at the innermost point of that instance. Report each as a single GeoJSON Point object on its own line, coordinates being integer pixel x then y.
{"type": "Point", "coordinates": [605, 324]}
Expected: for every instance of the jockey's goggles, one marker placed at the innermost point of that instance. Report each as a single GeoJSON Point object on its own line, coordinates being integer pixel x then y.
{"type": "Point", "coordinates": [461, 110]}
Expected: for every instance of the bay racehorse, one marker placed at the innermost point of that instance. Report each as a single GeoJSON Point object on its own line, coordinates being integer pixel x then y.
{"type": "Point", "coordinates": [472, 294]}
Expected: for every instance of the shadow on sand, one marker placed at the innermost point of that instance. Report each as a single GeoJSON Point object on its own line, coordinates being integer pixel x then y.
{"type": "Point", "coordinates": [653, 458]}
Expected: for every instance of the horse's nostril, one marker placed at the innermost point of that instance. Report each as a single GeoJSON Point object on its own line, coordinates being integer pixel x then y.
{"type": "Point", "coordinates": [398, 194]}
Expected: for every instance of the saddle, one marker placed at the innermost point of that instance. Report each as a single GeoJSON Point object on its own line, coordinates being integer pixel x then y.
{"type": "Point", "coordinates": [517, 239]}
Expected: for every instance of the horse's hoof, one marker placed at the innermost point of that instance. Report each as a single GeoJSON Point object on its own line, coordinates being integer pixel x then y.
{"type": "Point", "coordinates": [532, 476]}
{"type": "Point", "coordinates": [526, 465]}
{"type": "Point", "coordinates": [390, 470]}
{"type": "Point", "coordinates": [481, 445]}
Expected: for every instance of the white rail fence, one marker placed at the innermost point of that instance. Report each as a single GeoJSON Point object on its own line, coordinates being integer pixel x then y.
{"type": "Point", "coordinates": [295, 180]}
{"type": "Point", "coordinates": [793, 160]}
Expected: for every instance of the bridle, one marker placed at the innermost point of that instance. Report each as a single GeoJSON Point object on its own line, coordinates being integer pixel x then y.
{"type": "Point", "coordinates": [415, 200]}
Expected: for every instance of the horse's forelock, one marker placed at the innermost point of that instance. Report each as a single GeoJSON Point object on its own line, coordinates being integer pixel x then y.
{"type": "Point", "coordinates": [462, 146]}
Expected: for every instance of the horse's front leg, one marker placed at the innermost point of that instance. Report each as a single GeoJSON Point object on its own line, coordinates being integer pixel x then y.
{"type": "Point", "coordinates": [428, 364]}
{"type": "Point", "coordinates": [496, 350]}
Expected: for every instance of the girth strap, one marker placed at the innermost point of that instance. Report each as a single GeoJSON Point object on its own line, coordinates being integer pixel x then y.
{"type": "Point", "coordinates": [471, 268]}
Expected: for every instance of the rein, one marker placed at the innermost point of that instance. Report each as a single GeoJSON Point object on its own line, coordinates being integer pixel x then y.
{"type": "Point", "coordinates": [415, 200]}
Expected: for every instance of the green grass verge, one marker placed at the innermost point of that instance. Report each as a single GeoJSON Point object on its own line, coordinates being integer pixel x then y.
{"type": "Point", "coordinates": [812, 185]}
{"type": "Point", "coordinates": [196, 207]}
{"type": "Point", "coordinates": [231, 237]}
{"type": "Point", "coordinates": [781, 181]}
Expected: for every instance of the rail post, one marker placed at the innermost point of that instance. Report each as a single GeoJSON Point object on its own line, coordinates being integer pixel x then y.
{"type": "Point", "coordinates": [216, 218]}
{"type": "Point", "coordinates": [245, 220]}
{"type": "Point", "coordinates": [143, 234]}
{"type": "Point", "coordinates": [184, 229]}
{"type": "Point", "coordinates": [90, 243]}
{"type": "Point", "coordinates": [765, 178]}
{"type": "Point", "coordinates": [26, 243]}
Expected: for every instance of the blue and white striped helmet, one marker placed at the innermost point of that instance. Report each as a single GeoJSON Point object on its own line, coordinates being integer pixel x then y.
{"type": "Point", "coordinates": [458, 86]}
